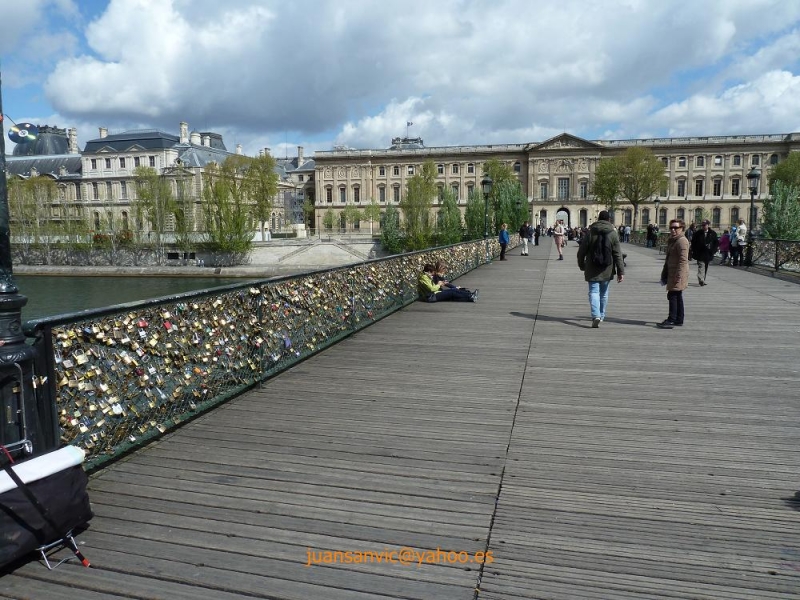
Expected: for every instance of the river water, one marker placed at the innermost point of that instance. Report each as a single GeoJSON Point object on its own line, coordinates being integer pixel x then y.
{"type": "Point", "coordinates": [50, 295]}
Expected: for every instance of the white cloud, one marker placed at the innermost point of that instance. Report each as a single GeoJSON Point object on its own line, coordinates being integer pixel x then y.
{"type": "Point", "coordinates": [465, 72]}
{"type": "Point", "coordinates": [768, 104]}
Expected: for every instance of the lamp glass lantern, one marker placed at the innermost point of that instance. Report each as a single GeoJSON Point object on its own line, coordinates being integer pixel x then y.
{"type": "Point", "coordinates": [486, 186]}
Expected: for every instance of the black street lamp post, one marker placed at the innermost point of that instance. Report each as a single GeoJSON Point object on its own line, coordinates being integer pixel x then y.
{"type": "Point", "coordinates": [752, 183]}
{"type": "Point", "coordinates": [486, 186]}
{"type": "Point", "coordinates": [21, 424]}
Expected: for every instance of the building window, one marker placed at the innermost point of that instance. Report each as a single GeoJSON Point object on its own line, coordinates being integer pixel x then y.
{"type": "Point", "coordinates": [440, 169]}
{"type": "Point", "coordinates": [645, 216]}
{"type": "Point", "coordinates": [94, 163]}
{"type": "Point", "coordinates": [122, 162]}
{"type": "Point", "coordinates": [773, 160]}
{"type": "Point", "coordinates": [665, 160]}
{"type": "Point", "coordinates": [698, 187]}
{"type": "Point", "coordinates": [382, 194]}
{"type": "Point", "coordinates": [96, 221]}
{"type": "Point", "coordinates": [454, 169]}
{"type": "Point", "coordinates": [718, 187]}
{"type": "Point", "coordinates": [454, 187]}
{"type": "Point", "coordinates": [716, 217]}
{"type": "Point", "coordinates": [125, 223]}
{"type": "Point", "coordinates": [95, 192]}
{"type": "Point", "coordinates": [470, 190]}
{"type": "Point", "coordinates": [682, 161]}
{"type": "Point", "coordinates": [153, 161]}
{"type": "Point", "coordinates": [662, 217]}
{"type": "Point", "coordinates": [735, 186]}
{"type": "Point", "coordinates": [343, 195]}
{"type": "Point", "coordinates": [563, 188]}
{"type": "Point", "coordinates": [440, 193]}
{"type": "Point", "coordinates": [356, 194]}
{"type": "Point", "coordinates": [627, 215]}
{"type": "Point", "coordinates": [123, 189]}
{"type": "Point", "coordinates": [396, 193]}
{"type": "Point", "coordinates": [681, 187]}
{"type": "Point", "coordinates": [137, 162]}
{"type": "Point", "coordinates": [329, 195]}
{"type": "Point", "coordinates": [109, 191]}
{"type": "Point", "coordinates": [663, 191]}
{"type": "Point", "coordinates": [382, 171]}
{"type": "Point", "coordinates": [543, 190]}
{"type": "Point", "coordinates": [735, 214]}
{"type": "Point", "coordinates": [737, 160]}
{"type": "Point", "coordinates": [680, 214]}
{"type": "Point", "coordinates": [108, 163]}
{"type": "Point", "coordinates": [470, 168]}
{"type": "Point", "coordinates": [584, 217]}
{"type": "Point", "coordinates": [396, 171]}
{"type": "Point", "coordinates": [755, 160]}
{"type": "Point", "coordinates": [517, 167]}
{"type": "Point", "coordinates": [299, 178]}
{"type": "Point", "coordinates": [410, 169]}
{"type": "Point", "coordinates": [718, 161]}
{"type": "Point", "coordinates": [700, 161]}
{"type": "Point", "coordinates": [698, 214]}
{"type": "Point", "coordinates": [584, 190]}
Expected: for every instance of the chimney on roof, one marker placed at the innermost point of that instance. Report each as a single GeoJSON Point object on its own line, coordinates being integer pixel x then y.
{"type": "Point", "coordinates": [195, 138]}
{"type": "Point", "coordinates": [72, 134]}
{"type": "Point", "coordinates": [184, 132]}
{"type": "Point", "coordinates": [238, 149]}
{"type": "Point", "coordinates": [300, 158]}
{"type": "Point", "coordinates": [103, 132]}
{"type": "Point", "coordinates": [206, 140]}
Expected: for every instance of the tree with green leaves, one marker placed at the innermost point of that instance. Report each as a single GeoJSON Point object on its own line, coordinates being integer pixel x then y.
{"type": "Point", "coordinates": [416, 206]}
{"type": "Point", "coordinates": [261, 184]}
{"type": "Point", "coordinates": [474, 215]}
{"type": "Point", "coordinates": [184, 214]}
{"type": "Point", "coordinates": [328, 218]}
{"type": "Point", "coordinates": [155, 203]}
{"type": "Point", "coordinates": [449, 229]}
{"type": "Point", "coordinates": [781, 213]}
{"type": "Point", "coordinates": [635, 175]}
{"type": "Point", "coordinates": [391, 234]}
{"type": "Point", "coordinates": [227, 210]}
{"type": "Point", "coordinates": [511, 205]}
{"type": "Point", "coordinates": [308, 212]}
{"type": "Point", "coordinates": [352, 214]}
{"type": "Point", "coordinates": [372, 212]}
{"type": "Point", "coordinates": [787, 171]}
{"type": "Point", "coordinates": [29, 202]}
{"type": "Point", "coordinates": [506, 188]}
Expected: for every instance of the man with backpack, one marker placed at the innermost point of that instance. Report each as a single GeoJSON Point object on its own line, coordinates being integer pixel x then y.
{"type": "Point", "coordinates": [600, 258]}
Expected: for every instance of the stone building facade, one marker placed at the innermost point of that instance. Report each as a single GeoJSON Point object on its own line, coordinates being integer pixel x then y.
{"type": "Point", "coordinates": [707, 176]}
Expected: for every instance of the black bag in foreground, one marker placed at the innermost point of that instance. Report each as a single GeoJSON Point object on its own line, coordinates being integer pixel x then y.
{"type": "Point", "coordinates": [41, 501]}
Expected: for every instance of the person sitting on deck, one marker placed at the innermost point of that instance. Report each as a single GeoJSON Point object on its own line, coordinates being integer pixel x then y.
{"type": "Point", "coordinates": [434, 292]}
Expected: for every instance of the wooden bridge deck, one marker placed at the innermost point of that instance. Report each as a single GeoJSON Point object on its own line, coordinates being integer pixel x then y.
{"type": "Point", "coordinates": [618, 463]}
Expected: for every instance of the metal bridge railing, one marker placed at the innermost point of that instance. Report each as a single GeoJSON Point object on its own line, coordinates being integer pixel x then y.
{"type": "Point", "coordinates": [123, 375]}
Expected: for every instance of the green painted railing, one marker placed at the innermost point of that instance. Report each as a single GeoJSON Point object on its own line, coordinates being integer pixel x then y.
{"type": "Point", "coordinates": [123, 375]}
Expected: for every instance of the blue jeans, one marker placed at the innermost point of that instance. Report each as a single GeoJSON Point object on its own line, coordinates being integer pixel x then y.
{"type": "Point", "coordinates": [598, 298]}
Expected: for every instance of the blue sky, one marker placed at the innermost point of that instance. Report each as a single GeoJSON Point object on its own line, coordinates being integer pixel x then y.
{"type": "Point", "coordinates": [275, 74]}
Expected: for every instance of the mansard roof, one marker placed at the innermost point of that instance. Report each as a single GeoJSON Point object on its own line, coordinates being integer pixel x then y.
{"type": "Point", "coordinates": [145, 139]}
{"type": "Point", "coordinates": [46, 165]}
{"type": "Point", "coordinates": [192, 155]}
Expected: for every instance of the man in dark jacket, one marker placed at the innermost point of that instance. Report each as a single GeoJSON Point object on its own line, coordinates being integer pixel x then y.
{"type": "Point", "coordinates": [703, 247]}
{"type": "Point", "coordinates": [598, 276]}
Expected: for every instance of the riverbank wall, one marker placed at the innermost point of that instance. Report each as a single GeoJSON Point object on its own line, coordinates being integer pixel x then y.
{"type": "Point", "coordinates": [275, 258]}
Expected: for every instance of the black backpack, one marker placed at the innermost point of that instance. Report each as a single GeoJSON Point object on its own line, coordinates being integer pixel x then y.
{"type": "Point", "coordinates": [602, 256]}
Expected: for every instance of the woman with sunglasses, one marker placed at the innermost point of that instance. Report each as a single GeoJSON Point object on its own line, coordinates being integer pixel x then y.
{"type": "Point", "coordinates": [675, 274]}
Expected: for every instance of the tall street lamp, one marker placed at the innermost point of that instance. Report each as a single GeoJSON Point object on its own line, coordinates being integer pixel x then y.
{"type": "Point", "coordinates": [25, 419]}
{"type": "Point", "coordinates": [657, 203]}
{"type": "Point", "coordinates": [486, 186]}
{"type": "Point", "coordinates": [752, 183]}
